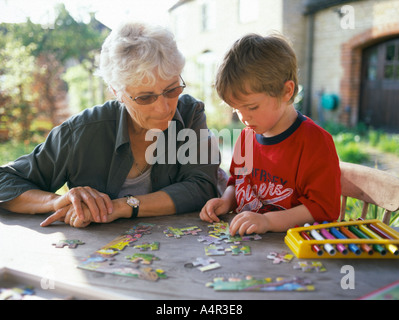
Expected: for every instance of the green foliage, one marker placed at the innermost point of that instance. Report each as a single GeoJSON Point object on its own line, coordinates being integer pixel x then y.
{"type": "Point", "coordinates": [350, 147]}
{"type": "Point", "coordinates": [354, 209]}
{"type": "Point", "coordinates": [351, 143]}
{"type": "Point", "coordinates": [81, 88]}
{"type": "Point", "coordinates": [32, 60]}
{"type": "Point", "coordinates": [11, 150]}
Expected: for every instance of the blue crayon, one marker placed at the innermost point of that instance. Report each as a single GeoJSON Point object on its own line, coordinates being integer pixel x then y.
{"type": "Point", "coordinates": [352, 247]}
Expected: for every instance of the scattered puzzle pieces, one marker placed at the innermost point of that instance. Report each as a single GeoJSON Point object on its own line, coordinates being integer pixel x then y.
{"type": "Point", "coordinates": [72, 244]}
{"type": "Point", "coordinates": [203, 264]}
{"type": "Point", "coordinates": [313, 266]}
{"type": "Point", "coordinates": [266, 284]}
{"type": "Point", "coordinates": [103, 259]}
{"type": "Point", "coordinates": [110, 266]}
{"type": "Point", "coordinates": [279, 257]}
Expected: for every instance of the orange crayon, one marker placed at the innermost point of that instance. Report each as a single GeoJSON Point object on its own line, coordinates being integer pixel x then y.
{"type": "Point", "coordinates": [350, 235]}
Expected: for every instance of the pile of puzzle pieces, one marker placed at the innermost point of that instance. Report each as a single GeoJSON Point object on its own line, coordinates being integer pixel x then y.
{"type": "Point", "coordinates": [218, 235]}
{"type": "Point", "coordinates": [102, 260]}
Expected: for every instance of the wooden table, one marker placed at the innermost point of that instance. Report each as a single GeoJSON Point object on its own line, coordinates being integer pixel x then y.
{"type": "Point", "coordinates": [27, 247]}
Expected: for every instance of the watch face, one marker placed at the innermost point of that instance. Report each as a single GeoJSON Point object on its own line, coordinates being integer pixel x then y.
{"type": "Point", "coordinates": [133, 202]}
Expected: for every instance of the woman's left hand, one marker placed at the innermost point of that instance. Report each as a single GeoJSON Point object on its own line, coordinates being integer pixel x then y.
{"type": "Point", "coordinates": [99, 204]}
{"type": "Point", "coordinates": [69, 216]}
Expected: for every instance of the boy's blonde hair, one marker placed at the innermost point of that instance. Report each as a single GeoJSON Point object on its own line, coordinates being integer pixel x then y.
{"type": "Point", "coordinates": [257, 64]}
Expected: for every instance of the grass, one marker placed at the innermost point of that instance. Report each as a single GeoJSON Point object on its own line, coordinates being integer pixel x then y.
{"type": "Point", "coordinates": [11, 150]}
{"type": "Point", "coordinates": [354, 211]}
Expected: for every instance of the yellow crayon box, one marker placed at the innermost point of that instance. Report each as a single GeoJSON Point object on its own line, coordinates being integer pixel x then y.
{"type": "Point", "coordinates": [361, 239]}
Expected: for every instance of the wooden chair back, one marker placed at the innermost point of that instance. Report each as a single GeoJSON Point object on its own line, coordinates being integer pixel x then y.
{"type": "Point", "coordinates": [372, 186]}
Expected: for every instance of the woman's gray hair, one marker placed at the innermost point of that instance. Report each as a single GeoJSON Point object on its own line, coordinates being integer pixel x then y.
{"type": "Point", "coordinates": [136, 51]}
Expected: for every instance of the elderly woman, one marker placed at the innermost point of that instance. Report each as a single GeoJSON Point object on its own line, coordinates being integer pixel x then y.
{"type": "Point", "coordinates": [101, 152]}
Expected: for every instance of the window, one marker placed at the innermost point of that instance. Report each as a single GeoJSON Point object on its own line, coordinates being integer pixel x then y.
{"type": "Point", "coordinates": [208, 15]}
{"type": "Point", "coordinates": [391, 64]}
{"type": "Point", "coordinates": [248, 10]}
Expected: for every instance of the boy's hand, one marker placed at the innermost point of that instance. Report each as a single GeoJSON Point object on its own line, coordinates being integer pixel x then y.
{"type": "Point", "coordinates": [249, 222]}
{"type": "Point", "coordinates": [214, 208]}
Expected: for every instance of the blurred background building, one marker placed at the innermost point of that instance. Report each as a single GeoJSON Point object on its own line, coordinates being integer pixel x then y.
{"type": "Point", "coordinates": [348, 51]}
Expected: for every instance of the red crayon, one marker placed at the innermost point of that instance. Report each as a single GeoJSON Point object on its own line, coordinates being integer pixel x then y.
{"type": "Point", "coordinates": [315, 247]}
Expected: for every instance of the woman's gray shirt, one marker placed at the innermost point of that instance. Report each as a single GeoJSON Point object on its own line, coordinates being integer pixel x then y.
{"type": "Point", "coordinates": [92, 149]}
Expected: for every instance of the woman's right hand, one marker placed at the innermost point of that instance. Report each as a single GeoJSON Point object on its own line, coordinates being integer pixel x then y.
{"type": "Point", "coordinates": [98, 203]}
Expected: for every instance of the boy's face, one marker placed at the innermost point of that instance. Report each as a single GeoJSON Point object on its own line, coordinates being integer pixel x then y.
{"type": "Point", "coordinates": [264, 114]}
{"type": "Point", "coordinates": [259, 112]}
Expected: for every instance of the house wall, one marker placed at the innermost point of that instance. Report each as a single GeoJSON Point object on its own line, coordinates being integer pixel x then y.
{"type": "Point", "coordinates": [338, 49]}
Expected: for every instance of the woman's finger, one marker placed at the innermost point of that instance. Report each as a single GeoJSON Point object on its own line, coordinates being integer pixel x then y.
{"type": "Point", "coordinates": [59, 215]}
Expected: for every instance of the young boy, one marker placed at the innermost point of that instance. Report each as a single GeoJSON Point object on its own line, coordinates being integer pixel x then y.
{"type": "Point", "coordinates": [290, 174]}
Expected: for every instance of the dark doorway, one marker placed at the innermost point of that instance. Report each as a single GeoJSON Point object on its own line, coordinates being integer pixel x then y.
{"type": "Point", "coordinates": [379, 100]}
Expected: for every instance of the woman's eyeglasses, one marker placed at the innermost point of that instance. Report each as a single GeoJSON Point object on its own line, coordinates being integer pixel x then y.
{"type": "Point", "coordinates": [169, 94]}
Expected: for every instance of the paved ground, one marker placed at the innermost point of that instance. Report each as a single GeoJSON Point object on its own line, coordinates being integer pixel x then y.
{"type": "Point", "coordinates": [384, 161]}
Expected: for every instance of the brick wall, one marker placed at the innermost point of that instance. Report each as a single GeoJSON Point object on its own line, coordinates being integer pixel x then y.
{"type": "Point", "coordinates": [338, 51]}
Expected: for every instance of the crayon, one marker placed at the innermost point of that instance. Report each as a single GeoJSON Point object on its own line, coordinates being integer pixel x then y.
{"type": "Point", "coordinates": [365, 247]}
{"type": "Point", "coordinates": [328, 247]}
{"type": "Point", "coordinates": [352, 247]}
{"type": "Point", "coordinates": [340, 247]}
{"type": "Point", "coordinates": [392, 248]}
{"type": "Point", "coordinates": [360, 234]}
{"type": "Point", "coordinates": [315, 247]}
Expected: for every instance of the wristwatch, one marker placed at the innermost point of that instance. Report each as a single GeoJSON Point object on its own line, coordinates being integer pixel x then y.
{"type": "Point", "coordinates": [134, 203]}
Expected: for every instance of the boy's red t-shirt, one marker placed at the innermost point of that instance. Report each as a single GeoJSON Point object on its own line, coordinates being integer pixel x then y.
{"type": "Point", "coordinates": [298, 166]}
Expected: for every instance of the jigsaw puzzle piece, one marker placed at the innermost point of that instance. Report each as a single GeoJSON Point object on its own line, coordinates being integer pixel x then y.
{"type": "Point", "coordinates": [153, 246]}
{"type": "Point", "coordinates": [143, 258]}
{"type": "Point", "coordinates": [203, 264]}
{"type": "Point", "coordinates": [208, 240]}
{"type": "Point", "coordinates": [179, 232]}
{"type": "Point", "coordinates": [72, 244]}
{"type": "Point", "coordinates": [219, 228]}
{"type": "Point", "coordinates": [214, 250]}
{"type": "Point", "coordinates": [279, 257]}
{"type": "Point", "coordinates": [235, 250]}
{"type": "Point", "coordinates": [314, 266]}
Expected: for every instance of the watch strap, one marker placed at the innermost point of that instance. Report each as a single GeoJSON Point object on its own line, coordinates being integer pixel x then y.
{"type": "Point", "coordinates": [135, 208]}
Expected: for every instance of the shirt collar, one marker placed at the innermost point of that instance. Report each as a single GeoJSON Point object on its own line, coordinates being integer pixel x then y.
{"type": "Point", "coordinates": [122, 135]}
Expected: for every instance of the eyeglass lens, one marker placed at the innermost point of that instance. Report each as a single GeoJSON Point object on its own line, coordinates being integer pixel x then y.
{"type": "Point", "coordinates": [148, 99]}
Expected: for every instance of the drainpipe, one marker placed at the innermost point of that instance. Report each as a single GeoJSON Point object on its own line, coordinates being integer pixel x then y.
{"type": "Point", "coordinates": [309, 64]}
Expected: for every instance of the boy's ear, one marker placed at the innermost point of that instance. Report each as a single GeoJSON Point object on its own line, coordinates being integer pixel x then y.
{"type": "Point", "coordinates": [289, 88]}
